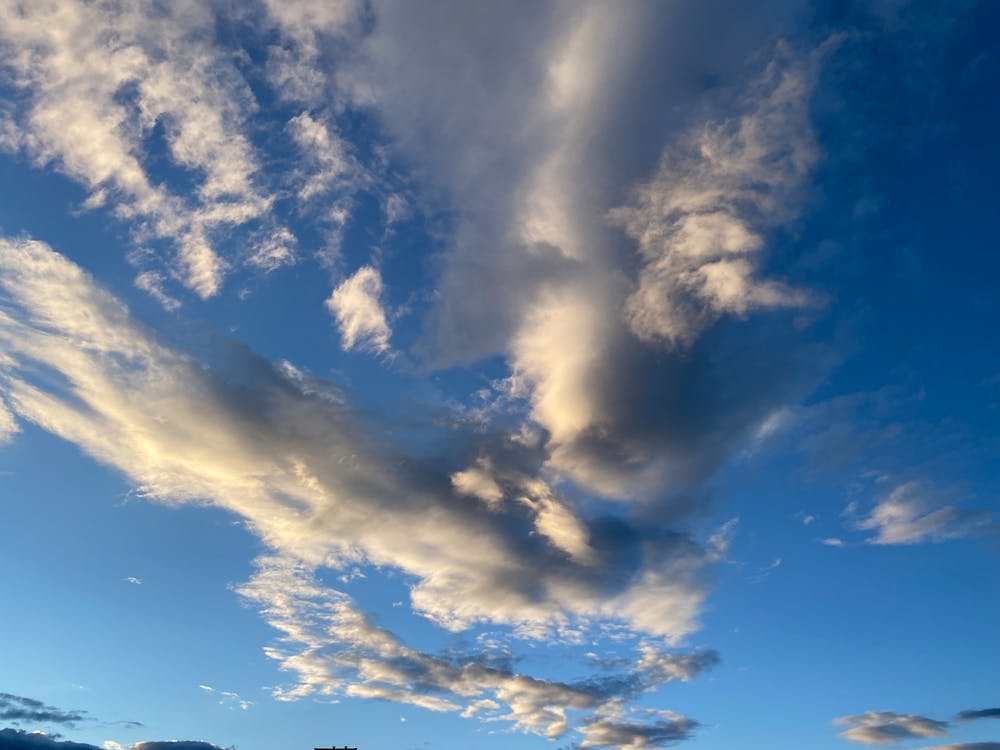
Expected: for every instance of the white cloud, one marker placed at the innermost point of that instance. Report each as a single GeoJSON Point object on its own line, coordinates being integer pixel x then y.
{"type": "Point", "coordinates": [698, 221]}
{"type": "Point", "coordinates": [277, 249]}
{"type": "Point", "coordinates": [296, 65]}
{"type": "Point", "coordinates": [151, 282]}
{"type": "Point", "coordinates": [477, 481]}
{"type": "Point", "coordinates": [764, 572]}
{"type": "Point", "coordinates": [97, 83]}
{"type": "Point", "coordinates": [325, 151]}
{"type": "Point", "coordinates": [888, 728]}
{"type": "Point", "coordinates": [698, 251]}
{"type": "Point", "coordinates": [324, 488]}
{"type": "Point", "coordinates": [133, 580]}
{"type": "Point", "coordinates": [8, 425]}
{"type": "Point", "coordinates": [530, 150]}
{"type": "Point", "coordinates": [356, 305]}
{"type": "Point", "coordinates": [907, 516]}
{"type": "Point", "coordinates": [228, 698]}
{"type": "Point", "coordinates": [333, 639]}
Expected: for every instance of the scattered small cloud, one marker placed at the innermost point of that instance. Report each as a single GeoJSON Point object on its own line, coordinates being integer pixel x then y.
{"type": "Point", "coordinates": [764, 572]}
{"type": "Point", "coordinates": [353, 575]}
{"type": "Point", "coordinates": [806, 519]}
{"type": "Point", "coordinates": [356, 305]}
{"type": "Point", "coordinates": [226, 698]}
{"type": "Point", "coordinates": [908, 516]}
{"type": "Point", "coordinates": [888, 727]}
{"type": "Point", "coordinates": [982, 713]}
{"type": "Point", "coordinates": [8, 425]}
{"type": "Point", "coordinates": [17, 709]}
{"type": "Point", "coordinates": [134, 580]}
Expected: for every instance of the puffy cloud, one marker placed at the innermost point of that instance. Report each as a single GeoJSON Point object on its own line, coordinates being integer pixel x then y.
{"type": "Point", "coordinates": [97, 83]}
{"type": "Point", "coordinates": [477, 481]}
{"type": "Point", "coordinates": [887, 727]}
{"type": "Point", "coordinates": [546, 142]}
{"type": "Point", "coordinates": [323, 488]}
{"type": "Point", "coordinates": [907, 516]}
{"type": "Point", "coordinates": [16, 709]}
{"type": "Point", "coordinates": [698, 221]}
{"type": "Point", "coordinates": [105, 92]}
{"type": "Point", "coordinates": [696, 246]}
{"type": "Point", "coordinates": [356, 305]}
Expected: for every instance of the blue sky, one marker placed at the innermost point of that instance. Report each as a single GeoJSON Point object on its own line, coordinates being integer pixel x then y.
{"type": "Point", "coordinates": [563, 375]}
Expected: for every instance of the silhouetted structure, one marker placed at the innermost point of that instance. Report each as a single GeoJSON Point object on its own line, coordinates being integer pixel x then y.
{"type": "Point", "coordinates": [345, 747]}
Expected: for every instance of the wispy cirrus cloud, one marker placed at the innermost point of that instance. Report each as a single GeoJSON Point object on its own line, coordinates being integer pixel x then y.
{"type": "Point", "coordinates": [340, 651]}
{"type": "Point", "coordinates": [908, 516]}
{"type": "Point", "coordinates": [228, 698]}
{"type": "Point", "coordinates": [8, 425]}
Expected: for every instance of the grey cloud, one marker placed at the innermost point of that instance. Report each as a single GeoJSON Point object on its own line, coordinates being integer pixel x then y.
{"type": "Point", "coordinates": [338, 648]}
{"type": "Point", "coordinates": [548, 137]}
{"type": "Point", "coordinates": [888, 727]}
{"type": "Point", "coordinates": [982, 713]}
{"type": "Point", "coordinates": [325, 487]}
{"type": "Point", "coordinates": [612, 727]}
{"type": "Point", "coordinates": [967, 746]}
{"type": "Point", "coordinates": [661, 733]}
{"type": "Point", "coordinates": [17, 708]}
{"type": "Point", "coordinates": [16, 739]}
